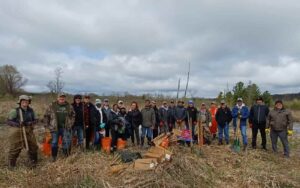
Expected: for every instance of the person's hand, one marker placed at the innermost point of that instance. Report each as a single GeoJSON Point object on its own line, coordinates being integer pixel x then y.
{"type": "Point", "coordinates": [195, 122]}
{"type": "Point", "coordinates": [161, 123]}
{"type": "Point", "coordinates": [267, 130]}
{"type": "Point", "coordinates": [209, 124]}
{"type": "Point", "coordinates": [290, 132]}
{"type": "Point", "coordinates": [250, 125]}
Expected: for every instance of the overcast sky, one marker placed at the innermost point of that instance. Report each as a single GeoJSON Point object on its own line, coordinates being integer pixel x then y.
{"type": "Point", "coordinates": [145, 46]}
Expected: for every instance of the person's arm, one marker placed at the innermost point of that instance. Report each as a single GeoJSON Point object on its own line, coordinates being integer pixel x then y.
{"type": "Point", "coordinates": [229, 115]}
{"type": "Point", "coordinates": [251, 115]}
{"type": "Point", "coordinates": [268, 125]}
{"type": "Point", "coordinates": [234, 112]}
{"type": "Point", "coordinates": [267, 111]}
{"type": "Point", "coordinates": [153, 119]}
{"type": "Point", "coordinates": [245, 113]}
{"type": "Point", "coordinates": [11, 119]}
{"type": "Point", "coordinates": [217, 116]}
{"type": "Point", "coordinates": [290, 121]}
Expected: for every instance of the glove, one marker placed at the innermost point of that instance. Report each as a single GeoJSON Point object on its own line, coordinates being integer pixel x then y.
{"type": "Point", "coordinates": [267, 130]}
{"type": "Point", "coordinates": [209, 124]}
{"type": "Point", "coordinates": [102, 125]}
{"type": "Point", "coordinates": [290, 132]}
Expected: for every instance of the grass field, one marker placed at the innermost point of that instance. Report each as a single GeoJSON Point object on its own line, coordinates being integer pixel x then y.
{"type": "Point", "coordinates": [217, 167]}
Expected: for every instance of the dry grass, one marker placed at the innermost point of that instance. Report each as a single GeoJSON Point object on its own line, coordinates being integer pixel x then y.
{"type": "Point", "coordinates": [218, 167]}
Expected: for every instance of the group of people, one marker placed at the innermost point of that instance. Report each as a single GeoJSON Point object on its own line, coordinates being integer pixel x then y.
{"type": "Point", "coordinates": [90, 122]}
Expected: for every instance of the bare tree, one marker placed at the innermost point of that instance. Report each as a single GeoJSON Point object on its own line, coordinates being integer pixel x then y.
{"type": "Point", "coordinates": [56, 85]}
{"type": "Point", "coordinates": [11, 80]}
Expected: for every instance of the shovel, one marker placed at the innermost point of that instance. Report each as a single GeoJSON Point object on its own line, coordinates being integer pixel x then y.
{"type": "Point", "coordinates": [236, 143]}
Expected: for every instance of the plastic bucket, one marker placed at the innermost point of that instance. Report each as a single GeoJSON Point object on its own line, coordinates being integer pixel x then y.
{"type": "Point", "coordinates": [106, 144]}
{"type": "Point", "coordinates": [165, 143]}
{"type": "Point", "coordinates": [121, 144]}
{"type": "Point", "coordinates": [46, 146]}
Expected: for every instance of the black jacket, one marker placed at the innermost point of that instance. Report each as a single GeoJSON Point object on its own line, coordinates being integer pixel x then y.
{"type": "Point", "coordinates": [192, 113]}
{"type": "Point", "coordinates": [258, 114]}
{"type": "Point", "coordinates": [78, 114]}
{"type": "Point", "coordinates": [223, 116]}
{"type": "Point", "coordinates": [171, 115]}
{"type": "Point", "coordinates": [94, 115]}
{"type": "Point", "coordinates": [135, 118]}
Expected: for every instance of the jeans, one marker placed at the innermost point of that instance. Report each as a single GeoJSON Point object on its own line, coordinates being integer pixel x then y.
{"type": "Point", "coordinates": [225, 130]}
{"type": "Point", "coordinates": [78, 131]}
{"type": "Point", "coordinates": [66, 140]}
{"type": "Point", "coordinates": [283, 138]}
{"type": "Point", "coordinates": [262, 129]}
{"type": "Point", "coordinates": [146, 131]}
{"type": "Point", "coordinates": [243, 129]}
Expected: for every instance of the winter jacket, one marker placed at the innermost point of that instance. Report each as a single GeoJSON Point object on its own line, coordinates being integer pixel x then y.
{"type": "Point", "coordinates": [205, 116]}
{"type": "Point", "coordinates": [180, 113]}
{"type": "Point", "coordinates": [51, 119]}
{"type": "Point", "coordinates": [94, 115]}
{"type": "Point", "coordinates": [29, 117]}
{"type": "Point", "coordinates": [240, 112]}
{"type": "Point", "coordinates": [149, 119]}
{"type": "Point", "coordinates": [78, 114]}
{"type": "Point", "coordinates": [223, 116]}
{"type": "Point", "coordinates": [171, 115]}
{"type": "Point", "coordinates": [157, 117]}
{"type": "Point", "coordinates": [258, 114]}
{"type": "Point", "coordinates": [280, 120]}
{"type": "Point", "coordinates": [135, 118]}
{"type": "Point", "coordinates": [107, 112]}
{"type": "Point", "coordinates": [102, 118]}
{"type": "Point", "coordinates": [163, 114]}
{"type": "Point", "coordinates": [192, 113]}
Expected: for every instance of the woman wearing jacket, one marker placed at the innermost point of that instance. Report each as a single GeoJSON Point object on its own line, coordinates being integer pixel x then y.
{"type": "Point", "coordinates": [135, 119]}
{"type": "Point", "coordinates": [117, 126]}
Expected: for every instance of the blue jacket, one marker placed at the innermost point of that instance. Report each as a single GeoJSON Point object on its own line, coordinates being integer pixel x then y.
{"type": "Point", "coordinates": [244, 114]}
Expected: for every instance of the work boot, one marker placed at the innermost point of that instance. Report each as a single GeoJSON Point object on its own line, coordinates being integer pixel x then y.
{"type": "Point", "coordinates": [253, 147]}
{"type": "Point", "coordinates": [264, 148]}
{"type": "Point", "coordinates": [54, 154]}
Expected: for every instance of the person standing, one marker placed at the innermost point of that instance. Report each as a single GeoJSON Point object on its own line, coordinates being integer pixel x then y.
{"type": "Point", "coordinates": [223, 118]}
{"type": "Point", "coordinates": [22, 116]}
{"type": "Point", "coordinates": [258, 119]}
{"type": "Point", "coordinates": [78, 123]}
{"type": "Point", "coordinates": [91, 120]}
{"type": "Point", "coordinates": [180, 116]}
{"type": "Point", "coordinates": [240, 113]}
{"type": "Point", "coordinates": [148, 124]}
{"type": "Point", "coordinates": [135, 119]}
{"type": "Point", "coordinates": [280, 122]}
{"type": "Point", "coordinates": [171, 115]}
{"type": "Point", "coordinates": [214, 125]}
{"type": "Point", "coordinates": [205, 119]}
{"type": "Point", "coordinates": [163, 116]}
{"type": "Point", "coordinates": [192, 114]}
{"type": "Point", "coordinates": [59, 118]}
{"type": "Point", "coordinates": [100, 128]}
{"type": "Point", "coordinates": [157, 120]}
{"type": "Point", "coordinates": [107, 111]}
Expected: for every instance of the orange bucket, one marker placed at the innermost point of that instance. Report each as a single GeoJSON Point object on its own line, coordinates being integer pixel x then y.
{"type": "Point", "coordinates": [74, 140]}
{"type": "Point", "coordinates": [121, 144]}
{"type": "Point", "coordinates": [46, 147]}
{"type": "Point", "coordinates": [165, 143]}
{"type": "Point", "coordinates": [106, 144]}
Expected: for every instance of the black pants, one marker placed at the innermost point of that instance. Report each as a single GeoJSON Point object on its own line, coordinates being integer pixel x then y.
{"type": "Point", "coordinates": [88, 137]}
{"type": "Point", "coordinates": [262, 129]}
{"type": "Point", "coordinates": [107, 130]}
{"type": "Point", "coordinates": [283, 138]}
{"type": "Point", "coordinates": [135, 132]}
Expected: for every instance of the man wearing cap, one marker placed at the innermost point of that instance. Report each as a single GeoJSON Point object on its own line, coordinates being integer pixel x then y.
{"type": "Point", "coordinates": [59, 118]}
{"type": "Point", "coordinates": [171, 115]}
{"type": "Point", "coordinates": [163, 116]}
{"type": "Point", "coordinates": [192, 113]}
{"type": "Point", "coordinates": [214, 125]}
{"type": "Point", "coordinates": [258, 119]}
{"type": "Point", "coordinates": [205, 119]}
{"type": "Point", "coordinates": [107, 110]}
{"type": "Point", "coordinates": [100, 129]}
{"type": "Point", "coordinates": [280, 122]}
{"type": "Point", "coordinates": [180, 115]}
{"type": "Point", "coordinates": [78, 123]}
{"type": "Point", "coordinates": [22, 116]}
{"type": "Point", "coordinates": [223, 118]}
{"type": "Point", "coordinates": [91, 120]}
{"type": "Point", "coordinates": [120, 104]}
{"type": "Point", "coordinates": [240, 114]}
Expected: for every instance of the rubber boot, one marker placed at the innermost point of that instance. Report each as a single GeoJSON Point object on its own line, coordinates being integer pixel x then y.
{"type": "Point", "coordinates": [54, 154]}
{"type": "Point", "coordinates": [33, 160]}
